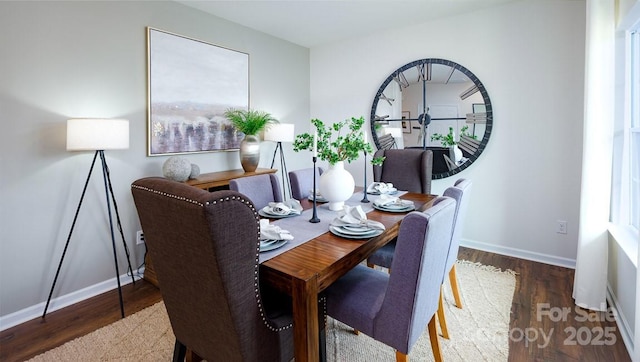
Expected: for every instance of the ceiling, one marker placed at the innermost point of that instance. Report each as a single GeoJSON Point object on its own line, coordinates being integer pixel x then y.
{"type": "Point", "coordinates": [312, 23]}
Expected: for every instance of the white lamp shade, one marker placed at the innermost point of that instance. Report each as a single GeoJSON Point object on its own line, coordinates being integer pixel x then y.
{"type": "Point", "coordinates": [395, 132]}
{"type": "Point", "coordinates": [279, 132]}
{"type": "Point", "coordinates": [97, 134]}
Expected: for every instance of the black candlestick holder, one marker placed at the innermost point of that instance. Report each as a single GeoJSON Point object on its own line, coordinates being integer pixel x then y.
{"type": "Point", "coordinates": [314, 218]}
{"type": "Point", "coordinates": [365, 199]}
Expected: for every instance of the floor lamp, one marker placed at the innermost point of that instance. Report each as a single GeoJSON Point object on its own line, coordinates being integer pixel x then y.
{"type": "Point", "coordinates": [281, 132]}
{"type": "Point", "coordinates": [98, 135]}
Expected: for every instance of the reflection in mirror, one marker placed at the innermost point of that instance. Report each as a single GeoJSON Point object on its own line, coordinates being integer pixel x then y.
{"type": "Point", "coordinates": [434, 104]}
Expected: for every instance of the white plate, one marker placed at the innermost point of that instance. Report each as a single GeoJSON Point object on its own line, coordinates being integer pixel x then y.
{"type": "Point", "coordinates": [266, 212]}
{"type": "Point", "coordinates": [265, 243]}
{"type": "Point", "coordinates": [273, 246]}
{"type": "Point", "coordinates": [318, 198]}
{"type": "Point", "coordinates": [340, 232]}
{"type": "Point", "coordinates": [347, 231]}
{"type": "Point", "coordinates": [395, 208]}
{"type": "Point", "coordinates": [360, 228]}
{"type": "Point", "coordinates": [390, 192]}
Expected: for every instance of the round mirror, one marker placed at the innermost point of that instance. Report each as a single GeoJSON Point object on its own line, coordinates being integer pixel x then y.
{"type": "Point", "coordinates": [434, 104]}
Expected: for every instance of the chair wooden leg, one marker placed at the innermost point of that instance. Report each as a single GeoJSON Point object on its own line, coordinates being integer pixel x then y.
{"type": "Point", "coordinates": [433, 337]}
{"type": "Point", "coordinates": [454, 286]}
{"type": "Point", "coordinates": [401, 357]}
{"type": "Point", "coordinates": [192, 356]}
{"type": "Point", "coordinates": [370, 265]}
{"type": "Point", "coordinates": [441, 318]}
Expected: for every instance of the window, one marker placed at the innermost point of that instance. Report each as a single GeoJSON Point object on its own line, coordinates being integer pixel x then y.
{"type": "Point", "coordinates": [625, 186]}
{"type": "Point", "coordinates": [634, 131]}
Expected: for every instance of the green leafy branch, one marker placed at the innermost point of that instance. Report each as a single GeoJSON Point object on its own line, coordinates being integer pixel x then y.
{"type": "Point", "coordinates": [448, 140]}
{"type": "Point", "coordinates": [346, 146]}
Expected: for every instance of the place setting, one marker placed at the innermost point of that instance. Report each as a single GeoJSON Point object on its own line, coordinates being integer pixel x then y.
{"type": "Point", "coordinates": [278, 210]}
{"type": "Point", "coordinates": [381, 188]}
{"type": "Point", "coordinates": [352, 223]}
{"type": "Point", "coordinates": [319, 197]}
{"type": "Point", "coordinates": [272, 236]}
{"type": "Point", "coordinates": [393, 204]}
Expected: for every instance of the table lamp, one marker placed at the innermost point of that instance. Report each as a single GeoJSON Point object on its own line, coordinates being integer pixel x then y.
{"type": "Point", "coordinates": [93, 134]}
{"type": "Point", "coordinates": [281, 132]}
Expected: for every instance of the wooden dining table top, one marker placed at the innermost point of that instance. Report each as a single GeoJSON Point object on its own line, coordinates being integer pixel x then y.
{"type": "Point", "coordinates": [306, 270]}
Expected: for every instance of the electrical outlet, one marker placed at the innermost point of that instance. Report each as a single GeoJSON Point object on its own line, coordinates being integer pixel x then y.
{"type": "Point", "coordinates": [139, 237]}
{"type": "Point", "coordinates": [561, 228]}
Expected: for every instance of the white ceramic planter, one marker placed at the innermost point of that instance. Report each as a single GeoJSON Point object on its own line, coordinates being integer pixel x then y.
{"type": "Point", "coordinates": [455, 153]}
{"type": "Point", "coordinates": [336, 185]}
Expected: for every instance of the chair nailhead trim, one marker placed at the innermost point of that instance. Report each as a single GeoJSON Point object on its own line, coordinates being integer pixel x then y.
{"type": "Point", "coordinates": [167, 194]}
{"type": "Point", "coordinates": [256, 283]}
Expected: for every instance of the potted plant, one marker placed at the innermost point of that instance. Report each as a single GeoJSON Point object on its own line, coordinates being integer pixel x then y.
{"type": "Point", "coordinates": [336, 184]}
{"type": "Point", "coordinates": [449, 141]}
{"type": "Point", "coordinates": [250, 122]}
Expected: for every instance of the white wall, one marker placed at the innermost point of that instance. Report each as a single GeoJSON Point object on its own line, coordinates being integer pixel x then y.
{"type": "Point", "coordinates": [88, 59]}
{"type": "Point", "coordinates": [529, 175]}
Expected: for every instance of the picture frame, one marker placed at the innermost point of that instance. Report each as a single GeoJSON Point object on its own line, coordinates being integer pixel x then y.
{"type": "Point", "coordinates": [406, 123]}
{"type": "Point", "coordinates": [406, 126]}
{"type": "Point", "coordinates": [190, 85]}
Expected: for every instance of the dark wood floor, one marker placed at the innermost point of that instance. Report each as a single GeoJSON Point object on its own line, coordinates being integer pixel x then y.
{"type": "Point", "coordinates": [537, 284]}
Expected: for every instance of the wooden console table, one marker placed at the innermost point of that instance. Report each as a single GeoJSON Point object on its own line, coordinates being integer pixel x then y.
{"type": "Point", "coordinates": [212, 181]}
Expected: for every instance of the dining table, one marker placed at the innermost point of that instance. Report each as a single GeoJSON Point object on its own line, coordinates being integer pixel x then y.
{"type": "Point", "coordinates": [306, 269]}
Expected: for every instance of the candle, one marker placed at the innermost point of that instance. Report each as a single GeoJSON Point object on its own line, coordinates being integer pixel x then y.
{"type": "Point", "coordinates": [315, 144]}
{"type": "Point", "coordinates": [364, 134]}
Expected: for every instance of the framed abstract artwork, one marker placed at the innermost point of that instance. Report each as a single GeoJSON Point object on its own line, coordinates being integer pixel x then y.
{"type": "Point", "coordinates": [190, 84]}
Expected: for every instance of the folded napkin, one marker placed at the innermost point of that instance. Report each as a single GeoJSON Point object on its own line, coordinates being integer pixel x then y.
{"type": "Point", "coordinates": [381, 187]}
{"type": "Point", "coordinates": [273, 232]}
{"type": "Point", "coordinates": [355, 216]}
{"type": "Point", "coordinates": [291, 206]}
{"type": "Point", "coordinates": [387, 200]}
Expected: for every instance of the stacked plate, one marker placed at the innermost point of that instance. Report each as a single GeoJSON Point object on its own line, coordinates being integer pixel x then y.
{"type": "Point", "coordinates": [391, 191]}
{"type": "Point", "coordinates": [382, 188]}
{"type": "Point", "coordinates": [268, 245]}
{"type": "Point", "coordinates": [400, 206]}
{"type": "Point", "coordinates": [355, 231]}
{"type": "Point", "coordinates": [319, 198]}
{"type": "Point", "coordinates": [268, 212]}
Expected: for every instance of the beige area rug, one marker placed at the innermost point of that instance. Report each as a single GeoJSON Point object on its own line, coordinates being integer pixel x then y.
{"type": "Point", "coordinates": [479, 331]}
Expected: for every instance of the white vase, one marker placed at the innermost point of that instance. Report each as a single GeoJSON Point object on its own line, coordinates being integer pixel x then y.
{"type": "Point", "coordinates": [336, 185]}
{"type": "Point", "coordinates": [455, 153]}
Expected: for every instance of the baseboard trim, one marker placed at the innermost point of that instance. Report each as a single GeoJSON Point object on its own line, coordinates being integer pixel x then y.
{"type": "Point", "coordinates": [35, 311]}
{"type": "Point", "coordinates": [621, 321]}
{"type": "Point", "coordinates": [519, 253]}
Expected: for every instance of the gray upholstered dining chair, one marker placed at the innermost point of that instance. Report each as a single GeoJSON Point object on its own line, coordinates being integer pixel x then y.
{"type": "Point", "coordinates": [204, 246]}
{"type": "Point", "coordinates": [302, 182]}
{"type": "Point", "coordinates": [384, 256]}
{"type": "Point", "coordinates": [459, 192]}
{"type": "Point", "coordinates": [260, 189]}
{"type": "Point", "coordinates": [407, 169]}
{"type": "Point", "coordinates": [395, 308]}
